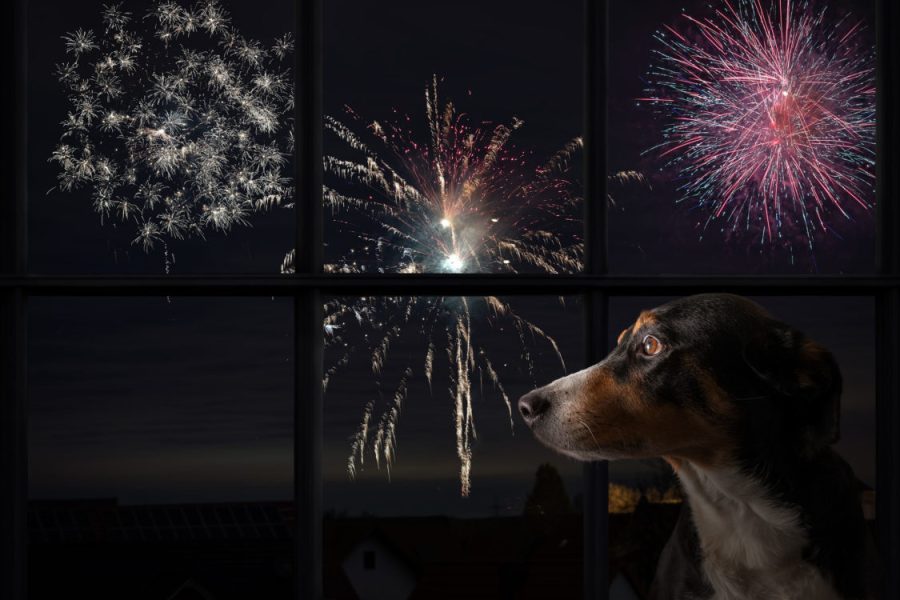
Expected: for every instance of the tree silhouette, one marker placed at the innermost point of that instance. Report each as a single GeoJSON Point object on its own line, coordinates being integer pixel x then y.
{"type": "Point", "coordinates": [548, 497]}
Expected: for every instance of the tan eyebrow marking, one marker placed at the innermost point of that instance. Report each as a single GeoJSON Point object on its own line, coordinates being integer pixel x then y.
{"type": "Point", "coordinates": [645, 318]}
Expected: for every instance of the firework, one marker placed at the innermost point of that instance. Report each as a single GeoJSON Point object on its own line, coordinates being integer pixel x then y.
{"type": "Point", "coordinates": [448, 328]}
{"type": "Point", "coordinates": [770, 110]}
{"type": "Point", "coordinates": [178, 124]}
{"type": "Point", "coordinates": [462, 200]}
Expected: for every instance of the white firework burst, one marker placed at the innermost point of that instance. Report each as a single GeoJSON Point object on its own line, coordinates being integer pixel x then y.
{"type": "Point", "coordinates": [177, 123]}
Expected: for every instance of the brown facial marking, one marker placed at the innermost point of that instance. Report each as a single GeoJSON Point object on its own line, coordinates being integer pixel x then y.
{"type": "Point", "coordinates": [713, 431]}
{"type": "Point", "coordinates": [714, 397]}
{"type": "Point", "coordinates": [682, 434]}
{"type": "Point", "coordinates": [605, 409]}
{"type": "Point", "coordinates": [603, 386]}
{"type": "Point", "coordinates": [621, 336]}
{"type": "Point", "coordinates": [617, 416]}
{"type": "Point", "coordinates": [812, 357]}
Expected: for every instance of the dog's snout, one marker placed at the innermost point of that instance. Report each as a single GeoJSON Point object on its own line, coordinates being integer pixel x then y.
{"type": "Point", "coordinates": [533, 405]}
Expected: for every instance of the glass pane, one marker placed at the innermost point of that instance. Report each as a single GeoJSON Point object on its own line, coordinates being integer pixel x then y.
{"type": "Point", "coordinates": [160, 447]}
{"type": "Point", "coordinates": [160, 136]}
{"type": "Point", "coordinates": [433, 486]}
{"type": "Point", "coordinates": [645, 496]}
{"type": "Point", "coordinates": [452, 136]}
{"type": "Point", "coordinates": [741, 136]}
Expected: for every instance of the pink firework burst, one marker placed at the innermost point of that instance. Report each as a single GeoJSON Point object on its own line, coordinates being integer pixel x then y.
{"type": "Point", "coordinates": [770, 116]}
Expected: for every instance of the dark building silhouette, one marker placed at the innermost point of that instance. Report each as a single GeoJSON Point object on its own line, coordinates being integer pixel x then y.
{"type": "Point", "coordinates": [100, 549]}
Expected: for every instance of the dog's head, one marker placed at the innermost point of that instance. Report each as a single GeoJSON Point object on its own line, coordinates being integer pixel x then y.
{"type": "Point", "coordinates": [703, 378]}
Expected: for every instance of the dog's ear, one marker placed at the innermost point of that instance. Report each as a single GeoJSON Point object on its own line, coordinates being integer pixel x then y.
{"type": "Point", "coordinates": [805, 374]}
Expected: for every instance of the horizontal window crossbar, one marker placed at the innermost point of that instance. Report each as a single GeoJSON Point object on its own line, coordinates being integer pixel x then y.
{"type": "Point", "coordinates": [441, 284]}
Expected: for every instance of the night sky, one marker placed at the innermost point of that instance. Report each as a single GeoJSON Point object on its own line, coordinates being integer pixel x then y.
{"type": "Point", "coordinates": [189, 399]}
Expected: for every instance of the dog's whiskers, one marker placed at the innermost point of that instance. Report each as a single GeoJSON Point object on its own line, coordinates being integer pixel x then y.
{"type": "Point", "coordinates": [588, 427]}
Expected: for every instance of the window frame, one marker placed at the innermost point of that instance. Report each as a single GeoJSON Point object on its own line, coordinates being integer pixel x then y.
{"type": "Point", "coordinates": [308, 284]}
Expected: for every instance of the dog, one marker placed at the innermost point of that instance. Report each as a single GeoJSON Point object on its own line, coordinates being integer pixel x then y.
{"type": "Point", "coordinates": [745, 409]}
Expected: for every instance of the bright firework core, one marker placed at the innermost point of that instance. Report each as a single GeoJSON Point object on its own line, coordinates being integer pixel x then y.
{"type": "Point", "coordinates": [450, 188]}
{"type": "Point", "coordinates": [454, 263]}
{"type": "Point", "coordinates": [770, 111]}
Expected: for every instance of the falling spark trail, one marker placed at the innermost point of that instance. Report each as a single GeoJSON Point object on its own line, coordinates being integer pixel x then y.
{"type": "Point", "coordinates": [464, 200]}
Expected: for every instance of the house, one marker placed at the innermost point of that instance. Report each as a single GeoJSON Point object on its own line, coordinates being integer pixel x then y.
{"type": "Point", "coordinates": [620, 588]}
{"type": "Point", "coordinates": [377, 570]}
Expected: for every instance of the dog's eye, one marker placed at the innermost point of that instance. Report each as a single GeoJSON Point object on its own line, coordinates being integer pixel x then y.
{"type": "Point", "coordinates": [651, 346]}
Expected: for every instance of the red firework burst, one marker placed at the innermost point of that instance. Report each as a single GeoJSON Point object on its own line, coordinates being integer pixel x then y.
{"type": "Point", "coordinates": [770, 115]}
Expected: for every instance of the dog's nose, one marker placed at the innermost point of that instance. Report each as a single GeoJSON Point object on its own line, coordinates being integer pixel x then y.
{"type": "Point", "coordinates": [533, 405]}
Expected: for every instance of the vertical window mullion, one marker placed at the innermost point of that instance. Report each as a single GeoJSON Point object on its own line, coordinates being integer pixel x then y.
{"type": "Point", "coordinates": [308, 137]}
{"type": "Point", "coordinates": [13, 446]}
{"type": "Point", "coordinates": [887, 439]}
{"type": "Point", "coordinates": [887, 487]}
{"type": "Point", "coordinates": [15, 181]}
{"type": "Point", "coordinates": [308, 359]}
{"type": "Point", "coordinates": [596, 474]}
{"type": "Point", "coordinates": [308, 351]}
{"type": "Point", "coordinates": [887, 246]}
{"type": "Point", "coordinates": [595, 234]}
{"type": "Point", "coordinates": [13, 247]}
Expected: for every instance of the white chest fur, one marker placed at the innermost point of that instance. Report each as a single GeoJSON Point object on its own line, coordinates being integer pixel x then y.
{"type": "Point", "coordinates": [752, 547]}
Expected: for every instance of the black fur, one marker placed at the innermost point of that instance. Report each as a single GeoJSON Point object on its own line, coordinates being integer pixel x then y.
{"type": "Point", "coordinates": [757, 392]}
{"type": "Point", "coordinates": [786, 392]}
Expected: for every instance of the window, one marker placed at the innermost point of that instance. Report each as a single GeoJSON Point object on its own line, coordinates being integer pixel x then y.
{"type": "Point", "coordinates": [44, 277]}
{"type": "Point", "coordinates": [159, 440]}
